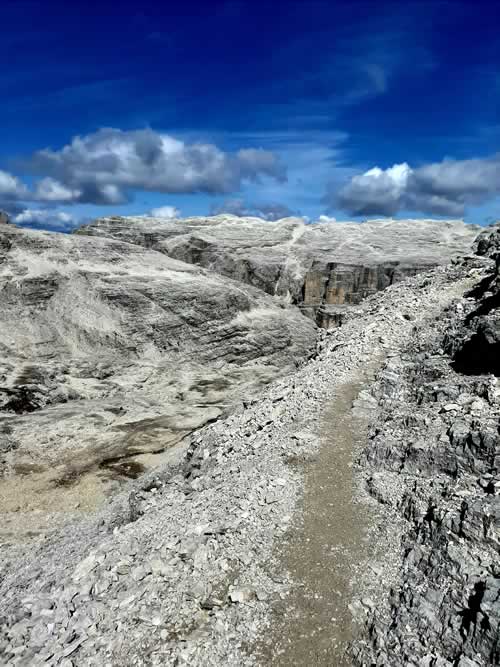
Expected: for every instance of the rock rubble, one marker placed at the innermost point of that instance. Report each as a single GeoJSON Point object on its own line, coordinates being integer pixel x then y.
{"type": "Point", "coordinates": [181, 565]}
{"type": "Point", "coordinates": [434, 459]}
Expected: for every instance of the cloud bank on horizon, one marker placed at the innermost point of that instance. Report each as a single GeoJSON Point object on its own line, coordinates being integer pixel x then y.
{"type": "Point", "coordinates": [241, 208]}
{"type": "Point", "coordinates": [109, 166]}
{"type": "Point", "coordinates": [106, 167]}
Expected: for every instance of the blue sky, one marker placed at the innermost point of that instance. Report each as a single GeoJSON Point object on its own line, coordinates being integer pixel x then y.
{"type": "Point", "coordinates": [345, 109]}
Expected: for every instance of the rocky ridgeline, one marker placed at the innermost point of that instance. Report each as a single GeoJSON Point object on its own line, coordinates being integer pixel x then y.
{"type": "Point", "coordinates": [434, 458]}
{"type": "Point", "coordinates": [323, 268]}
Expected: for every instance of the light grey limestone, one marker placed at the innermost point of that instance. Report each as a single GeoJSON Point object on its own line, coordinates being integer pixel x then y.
{"type": "Point", "coordinates": [108, 349]}
{"type": "Point", "coordinates": [322, 267]}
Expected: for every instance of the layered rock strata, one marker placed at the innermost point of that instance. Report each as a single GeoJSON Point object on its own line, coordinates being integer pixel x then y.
{"type": "Point", "coordinates": [109, 350]}
{"type": "Point", "coordinates": [434, 459]}
{"type": "Point", "coordinates": [322, 268]}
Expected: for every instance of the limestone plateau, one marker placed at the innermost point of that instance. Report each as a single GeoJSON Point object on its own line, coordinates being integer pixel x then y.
{"type": "Point", "coordinates": [195, 473]}
{"type": "Point", "coordinates": [321, 268]}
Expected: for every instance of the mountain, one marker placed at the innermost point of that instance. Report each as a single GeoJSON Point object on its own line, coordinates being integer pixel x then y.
{"type": "Point", "coordinates": [109, 350]}
{"type": "Point", "coordinates": [322, 268]}
{"type": "Point", "coordinates": [324, 497]}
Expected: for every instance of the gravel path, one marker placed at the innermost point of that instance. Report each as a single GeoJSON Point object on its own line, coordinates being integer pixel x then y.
{"type": "Point", "coordinates": [327, 542]}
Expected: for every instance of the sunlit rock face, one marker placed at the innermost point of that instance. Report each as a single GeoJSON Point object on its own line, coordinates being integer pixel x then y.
{"type": "Point", "coordinates": [322, 267]}
{"type": "Point", "coordinates": [108, 349]}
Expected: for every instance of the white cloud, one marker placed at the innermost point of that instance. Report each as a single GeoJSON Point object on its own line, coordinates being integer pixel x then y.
{"type": "Point", "coordinates": [45, 218]}
{"type": "Point", "coordinates": [50, 190]}
{"type": "Point", "coordinates": [165, 212]}
{"type": "Point", "coordinates": [11, 187]}
{"type": "Point", "coordinates": [106, 166]}
{"type": "Point", "coordinates": [376, 191]}
{"type": "Point", "coordinates": [326, 218]}
{"type": "Point", "coordinates": [442, 188]}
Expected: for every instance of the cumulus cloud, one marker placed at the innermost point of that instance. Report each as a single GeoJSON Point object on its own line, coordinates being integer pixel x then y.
{"type": "Point", "coordinates": [47, 190]}
{"type": "Point", "coordinates": [265, 211]}
{"type": "Point", "coordinates": [442, 188]}
{"type": "Point", "coordinates": [165, 212]}
{"type": "Point", "coordinates": [376, 191]}
{"type": "Point", "coordinates": [326, 218]}
{"type": "Point", "coordinates": [11, 187]}
{"type": "Point", "coordinates": [107, 166]}
{"type": "Point", "coordinates": [50, 190]}
{"type": "Point", "coordinates": [43, 218]}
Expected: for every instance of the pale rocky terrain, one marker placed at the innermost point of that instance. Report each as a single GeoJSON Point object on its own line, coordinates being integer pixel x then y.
{"type": "Point", "coordinates": [110, 350]}
{"type": "Point", "coordinates": [323, 268]}
{"type": "Point", "coordinates": [345, 513]}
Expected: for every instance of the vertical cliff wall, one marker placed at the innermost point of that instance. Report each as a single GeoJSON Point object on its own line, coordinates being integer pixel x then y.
{"type": "Point", "coordinates": [322, 268]}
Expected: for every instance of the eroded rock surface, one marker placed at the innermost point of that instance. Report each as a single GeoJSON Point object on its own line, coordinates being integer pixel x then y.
{"type": "Point", "coordinates": [434, 459]}
{"type": "Point", "coordinates": [108, 350]}
{"type": "Point", "coordinates": [323, 268]}
{"type": "Point", "coordinates": [181, 568]}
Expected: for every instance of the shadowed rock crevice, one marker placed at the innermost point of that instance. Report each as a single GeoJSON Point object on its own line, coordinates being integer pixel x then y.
{"type": "Point", "coordinates": [476, 347]}
{"type": "Point", "coordinates": [480, 355]}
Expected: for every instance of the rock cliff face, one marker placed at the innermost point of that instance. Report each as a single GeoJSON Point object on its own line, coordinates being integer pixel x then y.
{"type": "Point", "coordinates": [322, 268]}
{"type": "Point", "coordinates": [108, 350]}
{"type": "Point", "coordinates": [434, 458]}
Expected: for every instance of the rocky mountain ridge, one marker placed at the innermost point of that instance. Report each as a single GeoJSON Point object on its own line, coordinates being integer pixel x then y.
{"type": "Point", "coordinates": [322, 267]}
{"type": "Point", "coordinates": [434, 458]}
{"type": "Point", "coordinates": [183, 566]}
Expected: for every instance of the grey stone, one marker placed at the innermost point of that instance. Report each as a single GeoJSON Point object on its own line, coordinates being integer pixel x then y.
{"type": "Point", "coordinates": [323, 268]}
{"type": "Point", "coordinates": [437, 585]}
{"type": "Point", "coordinates": [111, 349]}
{"type": "Point", "coordinates": [241, 595]}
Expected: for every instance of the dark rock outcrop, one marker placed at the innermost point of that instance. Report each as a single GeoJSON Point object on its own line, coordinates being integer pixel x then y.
{"type": "Point", "coordinates": [476, 347]}
{"type": "Point", "coordinates": [434, 458]}
{"type": "Point", "coordinates": [323, 268]}
{"type": "Point", "coordinates": [4, 218]}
